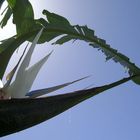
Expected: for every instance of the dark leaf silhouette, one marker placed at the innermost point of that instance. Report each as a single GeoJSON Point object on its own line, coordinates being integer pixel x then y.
{"type": "Point", "coordinates": [20, 114]}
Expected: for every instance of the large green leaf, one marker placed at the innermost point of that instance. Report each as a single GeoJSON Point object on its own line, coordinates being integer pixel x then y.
{"type": "Point", "coordinates": [20, 114]}
{"type": "Point", "coordinates": [6, 17]}
{"type": "Point", "coordinates": [71, 32]}
{"type": "Point", "coordinates": [57, 25]}
{"type": "Point", "coordinates": [5, 54]}
{"type": "Point", "coordinates": [11, 3]}
{"type": "Point", "coordinates": [55, 19]}
{"type": "Point", "coordinates": [87, 34]}
{"type": "Point", "coordinates": [23, 15]}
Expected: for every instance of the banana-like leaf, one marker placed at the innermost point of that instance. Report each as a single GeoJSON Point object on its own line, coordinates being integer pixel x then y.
{"type": "Point", "coordinates": [113, 54]}
{"type": "Point", "coordinates": [23, 15]}
{"type": "Point", "coordinates": [40, 92]}
{"type": "Point", "coordinates": [58, 25]}
{"type": "Point", "coordinates": [20, 114]}
{"type": "Point", "coordinates": [12, 3]}
{"type": "Point", "coordinates": [6, 17]}
{"type": "Point", "coordinates": [55, 19]}
{"type": "Point", "coordinates": [84, 33]}
{"type": "Point", "coordinates": [5, 54]}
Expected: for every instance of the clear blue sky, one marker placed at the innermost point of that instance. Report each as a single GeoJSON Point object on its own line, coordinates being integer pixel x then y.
{"type": "Point", "coordinates": [112, 115]}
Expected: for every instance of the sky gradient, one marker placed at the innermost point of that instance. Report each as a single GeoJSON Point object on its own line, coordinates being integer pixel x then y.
{"type": "Point", "coordinates": [112, 115]}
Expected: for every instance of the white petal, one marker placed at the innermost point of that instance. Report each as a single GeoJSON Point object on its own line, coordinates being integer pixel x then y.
{"type": "Point", "coordinates": [11, 74]}
{"type": "Point", "coordinates": [28, 78]}
{"type": "Point", "coordinates": [40, 92]}
{"type": "Point", "coordinates": [21, 86]}
{"type": "Point", "coordinates": [1, 84]}
{"type": "Point", "coordinates": [28, 56]}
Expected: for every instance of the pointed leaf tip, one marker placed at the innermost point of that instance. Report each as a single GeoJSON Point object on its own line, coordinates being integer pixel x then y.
{"type": "Point", "coordinates": [28, 56]}
{"type": "Point", "coordinates": [41, 92]}
{"type": "Point", "coordinates": [20, 114]}
{"type": "Point", "coordinates": [10, 75]}
{"type": "Point", "coordinates": [55, 18]}
{"type": "Point", "coordinates": [26, 76]}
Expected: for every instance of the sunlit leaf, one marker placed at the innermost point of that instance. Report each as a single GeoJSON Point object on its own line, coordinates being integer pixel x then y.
{"type": "Point", "coordinates": [5, 53]}
{"type": "Point", "coordinates": [55, 19]}
{"type": "Point", "coordinates": [64, 39]}
{"type": "Point", "coordinates": [23, 15]}
{"type": "Point", "coordinates": [12, 3]}
{"type": "Point", "coordinates": [6, 17]}
{"type": "Point", "coordinates": [57, 25]}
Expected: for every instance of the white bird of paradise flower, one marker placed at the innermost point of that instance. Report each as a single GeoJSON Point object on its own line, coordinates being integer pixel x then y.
{"type": "Point", "coordinates": [25, 77]}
